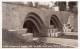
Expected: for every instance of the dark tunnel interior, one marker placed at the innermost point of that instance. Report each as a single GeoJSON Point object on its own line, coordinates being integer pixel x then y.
{"type": "Point", "coordinates": [31, 27]}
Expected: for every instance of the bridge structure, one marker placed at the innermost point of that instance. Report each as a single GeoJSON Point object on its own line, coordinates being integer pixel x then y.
{"type": "Point", "coordinates": [36, 20]}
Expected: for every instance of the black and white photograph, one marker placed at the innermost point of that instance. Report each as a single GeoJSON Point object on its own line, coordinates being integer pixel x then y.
{"type": "Point", "coordinates": [30, 24]}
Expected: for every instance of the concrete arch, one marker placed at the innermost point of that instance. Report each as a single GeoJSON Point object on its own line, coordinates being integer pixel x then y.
{"type": "Point", "coordinates": [55, 20]}
{"type": "Point", "coordinates": [30, 24]}
{"type": "Point", "coordinates": [34, 19]}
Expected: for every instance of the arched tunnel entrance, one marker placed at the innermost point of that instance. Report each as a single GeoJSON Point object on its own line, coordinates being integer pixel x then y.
{"type": "Point", "coordinates": [31, 27]}
{"type": "Point", "coordinates": [55, 27]}
{"type": "Point", "coordinates": [52, 22]}
{"type": "Point", "coordinates": [55, 23]}
{"type": "Point", "coordinates": [34, 24]}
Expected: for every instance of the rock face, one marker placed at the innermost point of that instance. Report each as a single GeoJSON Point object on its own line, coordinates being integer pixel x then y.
{"type": "Point", "coordinates": [16, 16]}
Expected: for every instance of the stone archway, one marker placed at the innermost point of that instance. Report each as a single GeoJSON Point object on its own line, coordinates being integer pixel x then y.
{"type": "Point", "coordinates": [34, 24]}
{"type": "Point", "coordinates": [31, 26]}
{"type": "Point", "coordinates": [55, 27]}
{"type": "Point", "coordinates": [54, 20]}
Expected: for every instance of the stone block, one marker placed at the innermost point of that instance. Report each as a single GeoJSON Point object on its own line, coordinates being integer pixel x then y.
{"type": "Point", "coordinates": [18, 32]}
{"type": "Point", "coordinates": [28, 37]}
{"type": "Point", "coordinates": [21, 31]}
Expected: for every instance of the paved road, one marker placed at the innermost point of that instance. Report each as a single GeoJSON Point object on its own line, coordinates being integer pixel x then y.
{"type": "Point", "coordinates": [10, 39]}
{"type": "Point", "coordinates": [62, 41]}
